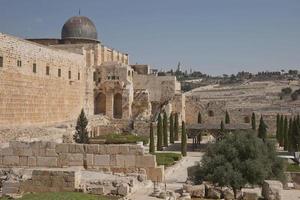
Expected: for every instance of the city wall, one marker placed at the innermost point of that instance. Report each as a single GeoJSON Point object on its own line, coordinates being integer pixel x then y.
{"type": "Point", "coordinates": [38, 84]}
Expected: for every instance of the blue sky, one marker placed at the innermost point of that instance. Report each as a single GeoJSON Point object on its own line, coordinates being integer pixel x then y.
{"type": "Point", "coordinates": [213, 36]}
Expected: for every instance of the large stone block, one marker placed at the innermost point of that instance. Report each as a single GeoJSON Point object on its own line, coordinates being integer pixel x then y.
{"type": "Point", "coordinates": [23, 160]}
{"type": "Point", "coordinates": [145, 161]}
{"type": "Point", "coordinates": [11, 160]}
{"type": "Point", "coordinates": [62, 148]}
{"type": "Point", "coordinates": [113, 149]}
{"type": "Point", "coordinates": [272, 190]}
{"type": "Point", "coordinates": [8, 151]}
{"type": "Point", "coordinates": [92, 148]}
{"type": "Point", "coordinates": [46, 161]}
{"type": "Point", "coordinates": [31, 161]}
{"type": "Point", "coordinates": [124, 149]}
{"type": "Point", "coordinates": [90, 159]}
{"type": "Point", "coordinates": [76, 148]}
{"type": "Point", "coordinates": [101, 160]}
{"type": "Point", "coordinates": [155, 174]}
{"type": "Point", "coordinates": [75, 159]}
{"type": "Point", "coordinates": [50, 152]}
{"type": "Point", "coordinates": [125, 161]}
{"type": "Point", "coordinates": [11, 187]}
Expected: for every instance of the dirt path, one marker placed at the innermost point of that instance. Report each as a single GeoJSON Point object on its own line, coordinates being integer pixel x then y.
{"type": "Point", "coordinates": [175, 176]}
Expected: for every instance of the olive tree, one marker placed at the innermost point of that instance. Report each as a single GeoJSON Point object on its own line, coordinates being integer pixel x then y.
{"type": "Point", "coordinates": [238, 159]}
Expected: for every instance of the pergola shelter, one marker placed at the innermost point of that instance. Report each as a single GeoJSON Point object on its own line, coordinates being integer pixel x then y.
{"type": "Point", "coordinates": [196, 130]}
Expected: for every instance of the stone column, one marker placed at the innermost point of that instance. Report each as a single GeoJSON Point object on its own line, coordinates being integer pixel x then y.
{"type": "Point", "coordinates": [110, 105]}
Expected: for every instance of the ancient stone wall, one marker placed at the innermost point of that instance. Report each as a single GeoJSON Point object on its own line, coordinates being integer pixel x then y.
{"type": "Point", "coordinates": [161, 88]}
{"type": "Point", "coordinates": [118, 158]}
{"type": "Point", "coordinates": [141, 106]}
{"type": "Point", "coordinates": [38, 84]}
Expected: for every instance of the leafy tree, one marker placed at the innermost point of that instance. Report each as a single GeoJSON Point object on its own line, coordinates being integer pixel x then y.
{"type": "Point", "coordinates": [159, 133]}
{"type": "Point", "coordinates": [183, 140]}
{"type": "Point", "coordinates": [165, 129]}
{"type": "Point", "coordinates": [239, 159]}
{"type": "Point", "coordinates": [176, 127]}
{"type": "Point", "coordinates": [81, 134]}
{"type": "Point", "coordinates": [285, 133]}
{"type": "Point", "coordinates": [227, 118]}
{"type": "Point", "coordinates": [253, 121]}
{"type": "Point", "coordinates": [151, 145]}
{"type": "Point", "coordinates": [262, 129]}
{"type": "Point", "coordinates": [199, 118]}
{"type": "Point", "coordinates": [222, 126]}
{"type": "Point", "coordinates": [171, 129]}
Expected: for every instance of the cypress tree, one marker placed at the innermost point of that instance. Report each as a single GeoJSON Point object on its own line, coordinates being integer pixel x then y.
{"type": "Point", "coordinates": [151, 145]}
{"type": "Point", "coordinates": [165, 129]}
{"type": "Point", "coordinates": [222, 127]}
{"type": "Point", "coordinates": [281, 136]}
{"type": "Point", "coordinates": [159, 133]}
{"type": "Point", "coordinates": [176, 127]}
{"type": "Point", "coordinates": [183, 140]}
{"type": "Point", "coordinates": [291, 146]}
{"type": "Point", "coordinates": [171, 129]}
{"type": "Point", "coordinates": [262, 129]}
{"type": "Point", "coordinates": [277, 127]}
{"type": "Point", "coordinates": [285, 133]}
{"type": "Point", "coordinates": [81, 134]}
{"type": "Point", "coordinates": [199, 118]}
{"type": "Point", "coordinates": [253, 121]}
{"type": "Point", "coordinates": [227, 118]}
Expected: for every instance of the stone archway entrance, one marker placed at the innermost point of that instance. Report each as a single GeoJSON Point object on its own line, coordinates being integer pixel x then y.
{"type": "Point", "coordinates": [118, 106]}
{"type": "Point", "coordinates": [100, 104]}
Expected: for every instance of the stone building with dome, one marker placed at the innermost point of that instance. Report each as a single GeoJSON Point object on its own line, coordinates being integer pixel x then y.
{"type": "Point", "coordinates": [46, 81]}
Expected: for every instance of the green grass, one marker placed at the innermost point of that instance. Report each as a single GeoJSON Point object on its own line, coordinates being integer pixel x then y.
{"type": "Point", "coordinates": [123, 139]}
{"type": "Point", "coordinates": [167, 159]}
{"type": "Point", "coordinates": [293, 168]}
{"type": "Point", "coordinates": [62, 196]}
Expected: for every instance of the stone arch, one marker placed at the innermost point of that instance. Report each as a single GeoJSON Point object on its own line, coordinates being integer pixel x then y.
{"type": "Point", "coordinates": [100, 104]}
{"type": "Point", "coordinates": [211, 113]}
{"type": "Point", "coordinates": [247, 119]}
{"type": "Point", "coordinates": [118, 106]}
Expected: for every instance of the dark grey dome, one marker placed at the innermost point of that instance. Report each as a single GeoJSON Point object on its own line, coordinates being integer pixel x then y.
{"type": "Point", "coordinates": [79, 27]}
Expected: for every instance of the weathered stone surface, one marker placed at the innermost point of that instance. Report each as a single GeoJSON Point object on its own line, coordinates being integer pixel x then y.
{"type": "Point", "coordinates": [11, 160]}
{"type": "Point", "coordinates": [123, 189]}
{"type": "Point", "coordinates": [228, 194]}
{"type": "Point", "coordinates": [145, 161]}
{"type": "Point", "coordinates": [51, 152]}
{"type": "Point", "coordinates": [8, 151]}
{"type": "Point", "coordinates": [92, 148]}
{"type": "Point", "coordinates": [101, 160]}
{"type": "Point", "coordinates": [75, 159]}
{"type": "Point", "coordinates": [11, 187]}
{"type": "Point", "coordinates": [31, 161]}
{"type": "Point", "coordinates": [23, 161]}
{"type": "Point", "coordinates": [126, 161]}
{"type": "Point", "coordinates": [195, 190]}
{"type": "Point", "coordinates": [46, 161]}
{"type": "Point", "coordinates": [212, 193]}
{"type": "Point", "coordinates": [272, 190]}
{"type": "Point", "coordinates": [250, 195]}
{"type": "Point", "coordinates": [62, 148]}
